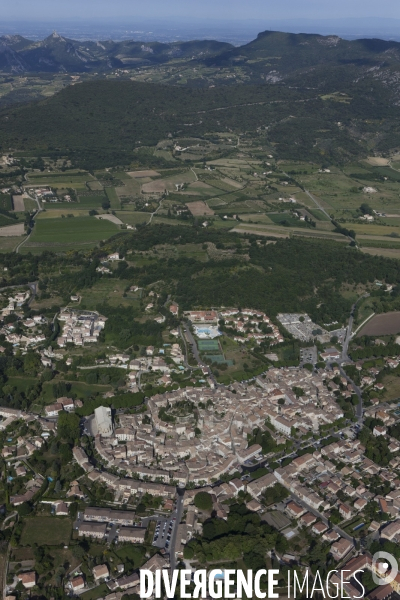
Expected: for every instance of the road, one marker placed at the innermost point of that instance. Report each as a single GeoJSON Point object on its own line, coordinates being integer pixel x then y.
{"type": "Point", "coordinates": [34, 288]}
{"type": "Point", "coordinates": [39, 210]}
{"type": "Point", "coordinates": [345, 356]}
{"type": "Point", "coordinates": [155, 212]}
{"type": "Point", "coordinates": [317, 203]}
{"type": "Point", "coordinates": [316, 513]}
{"type": "Point", "coordinates": [346, 359]}
{"type": "Point", "coordinates": [178, 514]}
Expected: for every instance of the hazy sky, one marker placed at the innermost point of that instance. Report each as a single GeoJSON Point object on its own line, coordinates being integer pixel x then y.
{"type": "Point", "coordinates": [52, 10]}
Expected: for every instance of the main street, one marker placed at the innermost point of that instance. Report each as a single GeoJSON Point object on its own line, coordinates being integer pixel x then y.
{"type": "Point", "coordinates": [178, 514]}
{"type": "Point", "coordinates": [346, 359]}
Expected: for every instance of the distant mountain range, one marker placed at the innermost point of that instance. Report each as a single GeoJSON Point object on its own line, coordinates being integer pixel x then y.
{"type": "Point", "coordinates": [59, 54]}
{"type": "Point", "coordinates": [314, 97]}
{"type": "Point", "coordinates": [273, 57]}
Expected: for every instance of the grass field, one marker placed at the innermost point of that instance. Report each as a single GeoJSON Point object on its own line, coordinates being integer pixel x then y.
{"type": "Point", "coordinates": [372, 229]}
{"type": "Point", "coordinates": [71, 230]}
{"type": "Point", "coordinates": [92, 201]}
{"type": "Point", "coordinates": [107, 290]}
{"type": "Point", "coordinates": [392, 388]}
{"type": "Point", "coordinates": [132, 218]}
{"type": "Point", "coordinates": [80, 388]}
{"type": "Point", "coordinates": [97, 592]}
{"type": "Point", "coordinates": [7, 244]}
{"type": "Point", "coordinates": [288, 218]}
{"type": "Point", "coordinates": [49, 531]}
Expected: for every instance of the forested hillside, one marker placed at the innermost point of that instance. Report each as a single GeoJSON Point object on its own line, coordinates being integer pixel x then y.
{"type": "Point", "coordinates": [100, 123]}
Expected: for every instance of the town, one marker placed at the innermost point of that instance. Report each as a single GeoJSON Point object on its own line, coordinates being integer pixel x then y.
{"type": "Point", "coordinates": [294, 445]}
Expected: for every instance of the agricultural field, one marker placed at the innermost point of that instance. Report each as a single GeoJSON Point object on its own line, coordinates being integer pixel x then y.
{"type": "Point", "coordinates": [387, 252]}
{"type": "Point", "coordinates": [69, 231]}
{"type": "Point", "coordinates": [385, 324]}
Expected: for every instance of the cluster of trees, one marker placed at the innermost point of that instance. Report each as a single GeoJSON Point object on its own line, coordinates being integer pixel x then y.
{"type": "Point", "coordinates": [376, 448]}
{"type": "Point", "coordinates": [265, 439]}
{"type": "Point", "coordinates": [242, 535]}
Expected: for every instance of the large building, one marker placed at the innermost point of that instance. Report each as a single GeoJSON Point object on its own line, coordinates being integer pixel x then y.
{"type": "Point", "coordinates": [106, 515]}
{"type": "Point", "coordinates": [103, 419]}
{"type": "Point", "coordinates": [134, 535]}
{"type": "Point", "coordinates": [93, 530]}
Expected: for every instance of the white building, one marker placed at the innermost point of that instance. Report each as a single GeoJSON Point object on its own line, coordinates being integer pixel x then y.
{"type": "Point", "coordinates": [103, 419]}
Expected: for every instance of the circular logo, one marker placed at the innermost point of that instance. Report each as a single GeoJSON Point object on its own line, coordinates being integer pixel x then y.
{"type": "Point", "coordinates": [382, 562]}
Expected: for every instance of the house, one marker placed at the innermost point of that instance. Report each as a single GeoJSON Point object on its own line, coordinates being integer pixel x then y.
{"type": "Point", "coordinates": [308, 519]}
{"type": "Point", "coordinates": [66, 403]}
{"type": "Point", "coordinates": [52, 410]}
{"type": "Point", "coordinates": [330, 536]}
{"type": "Point", "coordinates": [360, 504]}
{"type": "Point", "coordinates": [378, 430]}
{"type": "Point", "coordinates": [330, 355]}
{"type": "Point", "coordinates": [174, 309]}
{"type": "Point", "coordinates": [27, 579]}
{"type": "Point", "coordinates": [254, 505]}
{"type": "Point", "coordinates": [77, 583]}
{"type": "Point", "coordinates": [295, 510]}
{"type": "Point", "coordinates": [319, 528]}
{"type": "Point", "coordinates": [345, 511]}
{"type": "Point", "coordinates": [130, 581]}
{"type": "Point", "coordinates": [391, 531]}
{"type": "Point", "coordinates": [61, 509]}
{"type": "Point", "coordinates": [340, 548]}
{"type": "Point", "coordinates": [114, 256]}
{"type": "Point", "coordinates": [100, 572]}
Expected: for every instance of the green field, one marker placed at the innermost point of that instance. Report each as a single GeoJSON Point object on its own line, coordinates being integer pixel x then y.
{"type": "Point", "coordinates": [113, 198]}
{"type": "Point", "coordinates": [5, 201]}
{"type": "Point", "coordinates": [288, 218]}
{"type": "Point", "coordinates": [132, 218]}
{"type": "Point", "coordinates": [80, 388]}
{"type": "Point", "coordinates": [97, 592]}
{"type": "Point", "coordinates": [71, 230]}
{"type": "Point", "coordinates": [92, 201]}
{"type": "Point", "coordinates": [50, 531]}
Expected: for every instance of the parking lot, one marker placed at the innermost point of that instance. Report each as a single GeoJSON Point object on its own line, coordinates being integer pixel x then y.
{"type": "Point", "coordinates": [309, 355]}
{"type": "Point", "coordinates": [163, 531]}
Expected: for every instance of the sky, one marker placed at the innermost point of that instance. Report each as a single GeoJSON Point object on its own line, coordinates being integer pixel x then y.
{"type": "Point", "coordinates": [76, 10]}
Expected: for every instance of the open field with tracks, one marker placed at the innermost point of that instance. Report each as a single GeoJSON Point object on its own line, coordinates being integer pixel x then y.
{"type": "Point", "coordinates": [386, 324]}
